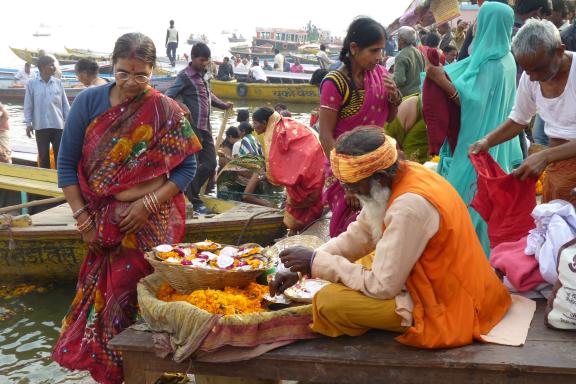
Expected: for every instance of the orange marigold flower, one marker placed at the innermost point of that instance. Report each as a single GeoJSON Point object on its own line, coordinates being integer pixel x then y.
{"type": "Point", "coordinates": [143, 133]}
{"type": "Point", "coordinates": [121, 150]}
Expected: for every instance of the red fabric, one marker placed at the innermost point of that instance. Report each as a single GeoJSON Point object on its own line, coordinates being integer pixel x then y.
{"type": "Point", "coordinates": [295, 160]}
{"type": "Point", "coordinates": [424, 50]}
{"type": "Point", "coordinates": [442, 115]}
{"type": "Point", "coordinates": [522, 271]}
{"type": "Point", "coordinates": [131, 143]}
{"type": "Point", "coordinates": [504, 201]}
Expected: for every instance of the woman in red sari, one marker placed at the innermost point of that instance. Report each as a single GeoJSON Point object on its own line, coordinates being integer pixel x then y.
{"type": "Point", "coordinates": [360, 92]}
{"type": "Point", "coordinates": [126, 156]}
{"type": "Point", "coordinates": [294, 159]}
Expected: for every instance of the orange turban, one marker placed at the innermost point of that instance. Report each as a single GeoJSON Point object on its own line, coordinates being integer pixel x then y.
{"type": "Point", "coordinates": [351, 169]}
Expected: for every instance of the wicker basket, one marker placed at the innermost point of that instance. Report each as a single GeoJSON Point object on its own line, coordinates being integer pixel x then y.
{"type": "Point", "coordinates": [309, 241]}
{"type": "Point", "coordinates": [185, 278]}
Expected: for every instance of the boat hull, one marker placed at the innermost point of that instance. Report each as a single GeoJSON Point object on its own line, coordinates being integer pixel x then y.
{"type": "Point", "coordinates": [288, 93]}
{"type": "Point", "coordinates": [55, 252]}
{"type": "Point", "coordinates": [16, 94]}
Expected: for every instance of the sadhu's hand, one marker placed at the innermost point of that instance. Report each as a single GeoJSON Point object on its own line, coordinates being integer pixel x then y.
{"type": "Point", "coordinates": [532, 167]}
{"type": "Point", "coordinates": [134, 217]}
{"type": "Point", "coordinates": [479, 146]}
{"type": "Point", "coordinates": [297, 259]}
{"type": "Point", "coordinates": [281, 282]}
{"type": "Point", "coordinates": [352, 201]}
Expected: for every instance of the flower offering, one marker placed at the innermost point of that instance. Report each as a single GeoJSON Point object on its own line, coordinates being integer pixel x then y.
{"type": "Point", "coordinates": [211, 255]}
{"type": "Point", "coordinates": [230, 301]}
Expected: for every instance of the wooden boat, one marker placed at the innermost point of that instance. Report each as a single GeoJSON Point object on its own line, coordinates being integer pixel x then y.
{"type": "Point", "coordinates": [64, 58]}
{"type": "Point", "coordinates": [248, 52]}
{"type": "Point", "coordinates": [15, 94]}
{"type": "Point", "coordinates": [51, 249]}
{"type": "Point", "coordinates": [87, 52]}
{"type": "Point", "coordinates": [280, 38]}
{"type": "Point", "coordinates": [277, 77]}
{"type": "Point", "coordinates": [236, 39]}
{"type": "Point", "coordinates": [304, 58]}
{"type": "Point", "coordinates": [287, 93]}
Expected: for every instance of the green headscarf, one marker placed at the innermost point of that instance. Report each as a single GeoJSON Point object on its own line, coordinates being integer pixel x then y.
{"type": "Point", "coordinates": [486, 84]}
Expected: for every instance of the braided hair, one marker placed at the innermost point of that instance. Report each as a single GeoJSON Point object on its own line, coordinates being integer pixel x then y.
{"type": "Point", "coordinates": [365, 32]}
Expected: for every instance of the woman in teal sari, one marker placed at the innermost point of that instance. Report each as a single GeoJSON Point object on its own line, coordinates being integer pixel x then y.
{"type": "Point", "coordinates": [484, 84]}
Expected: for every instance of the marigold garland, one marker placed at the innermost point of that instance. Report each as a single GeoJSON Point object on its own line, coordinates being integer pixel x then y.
{"type": "Point", "coordinates": [230, 301]}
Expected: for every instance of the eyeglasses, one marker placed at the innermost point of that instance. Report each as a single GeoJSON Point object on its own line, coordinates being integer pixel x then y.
{"type": "Point", "coordinates": [125, 76]}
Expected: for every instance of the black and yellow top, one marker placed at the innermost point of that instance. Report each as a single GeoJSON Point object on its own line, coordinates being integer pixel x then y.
{"type": "Point", "coordinates": [352, 98]}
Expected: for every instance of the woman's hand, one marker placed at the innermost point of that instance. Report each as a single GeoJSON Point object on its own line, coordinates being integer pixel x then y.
{"type": "Point", "coordinates": [479, 146]}
{"type": "Point", "coordinates": [435, 72]}
{"type": "Point", "coordinates": [134, 217]}
{"type": "Point", "coordinates": [394, 96]}
{"type": "Point", "coordinates": [89, 237]}
{"type": "Point", "coordinates": [352, 201]}
{"type": "Point", "coordinates": [532, 167]}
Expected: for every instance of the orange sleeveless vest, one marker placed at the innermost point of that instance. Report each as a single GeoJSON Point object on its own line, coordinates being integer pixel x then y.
{"type": "Point", "coordinates": [457, 296]}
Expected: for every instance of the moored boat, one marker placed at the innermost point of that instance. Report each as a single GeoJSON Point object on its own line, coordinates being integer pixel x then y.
{"type": "Point", "coordinates": [15, 93]}
{"type": "Point", "coordinates": [287, 93]}
{"type": "Point", "coordinates": [280, 38]}
{"type": "Point", "coordinates": [52, 250]}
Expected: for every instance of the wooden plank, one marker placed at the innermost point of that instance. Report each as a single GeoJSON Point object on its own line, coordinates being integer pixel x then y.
{"type": "Point", "coordinates": [43, 188]}
{"type": "Point", "coordinates": [144, 368]}
{"type": "Point", "coordinates": [32, 173]}
{"type": "Point", "coordinates": [547, 357]}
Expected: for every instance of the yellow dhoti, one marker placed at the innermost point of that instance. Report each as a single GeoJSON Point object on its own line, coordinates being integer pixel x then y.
{"type": "Point", "coordinates": [339, 310]}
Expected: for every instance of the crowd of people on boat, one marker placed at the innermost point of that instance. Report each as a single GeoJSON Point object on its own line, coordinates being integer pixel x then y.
{"type": "Point", "coordinates": [412, 157]}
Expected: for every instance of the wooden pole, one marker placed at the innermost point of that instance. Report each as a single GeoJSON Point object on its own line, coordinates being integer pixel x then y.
{"type": "Point", "coordinates": [219, 139]}
{"type": "Point", "coordinates": [34, 203]}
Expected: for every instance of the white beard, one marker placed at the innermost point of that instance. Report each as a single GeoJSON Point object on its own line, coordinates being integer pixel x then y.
{"type": "Point", "coordinates": [375, 207]}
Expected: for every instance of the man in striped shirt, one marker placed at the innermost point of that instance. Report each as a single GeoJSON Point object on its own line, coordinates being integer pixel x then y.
{"type": "Point", "coordinates": [192, 87]}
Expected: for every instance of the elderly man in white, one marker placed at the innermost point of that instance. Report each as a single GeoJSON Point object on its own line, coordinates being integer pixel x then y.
{"type": "Point", "coordinates": [547, 87]}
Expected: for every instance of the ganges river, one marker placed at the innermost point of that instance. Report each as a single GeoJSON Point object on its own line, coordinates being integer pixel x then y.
{"type": "Point", "coordinates": [30, 323]}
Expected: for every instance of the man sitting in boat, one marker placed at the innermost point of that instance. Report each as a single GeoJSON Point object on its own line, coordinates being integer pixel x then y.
{"type": "Point", "coordinates": [294, 159]}
{"type": "Point", "coordinates": [425, 276]}
{"type": "Point", "coordinates": [225, 70]}
{"type": "Point", "coordinates": [87, 73]}
{"type": "Point", "coordinates": [256, 73]}
{"type": "Point", "coordinates": [297, 67]}
{"type": "Point", "coordinates": [23, 76]}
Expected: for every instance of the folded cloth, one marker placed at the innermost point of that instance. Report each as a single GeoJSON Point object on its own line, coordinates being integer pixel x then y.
{"type": "Point", "coordinates": [555, 226]}
{"type": "Point", "coordinates": [521, 270]}
{"type": "Point", "coordinates": [504, 201]}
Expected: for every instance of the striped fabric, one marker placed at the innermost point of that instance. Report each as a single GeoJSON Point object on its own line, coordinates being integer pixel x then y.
{"type": "Point", "coordinates": [250, 146]}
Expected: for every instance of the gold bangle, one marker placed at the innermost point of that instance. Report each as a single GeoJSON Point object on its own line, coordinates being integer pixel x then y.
{"type": "Point", "coordinates": [147, 204]}
{"type": "Point", "coordinates": [80, 211]}
{"type": "Point", "coordinates": [455, 95]}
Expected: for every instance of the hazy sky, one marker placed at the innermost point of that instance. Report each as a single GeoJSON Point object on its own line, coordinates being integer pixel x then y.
{"type": "Point", "coordinates": [97, 24]}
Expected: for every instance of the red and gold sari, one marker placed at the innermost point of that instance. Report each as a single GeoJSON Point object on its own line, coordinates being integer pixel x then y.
{"type": "Point", "coordinates": [294, 159]}
{"type": "Point", "coordinates": [129, 144]}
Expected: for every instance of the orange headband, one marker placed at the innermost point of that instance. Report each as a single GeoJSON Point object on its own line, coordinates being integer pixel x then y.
{"type": "Point", "coordinates": [350, 169]}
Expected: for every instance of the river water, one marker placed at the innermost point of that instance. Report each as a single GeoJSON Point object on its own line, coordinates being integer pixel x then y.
{"type": "Point", "coordinates": [30, 323]}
